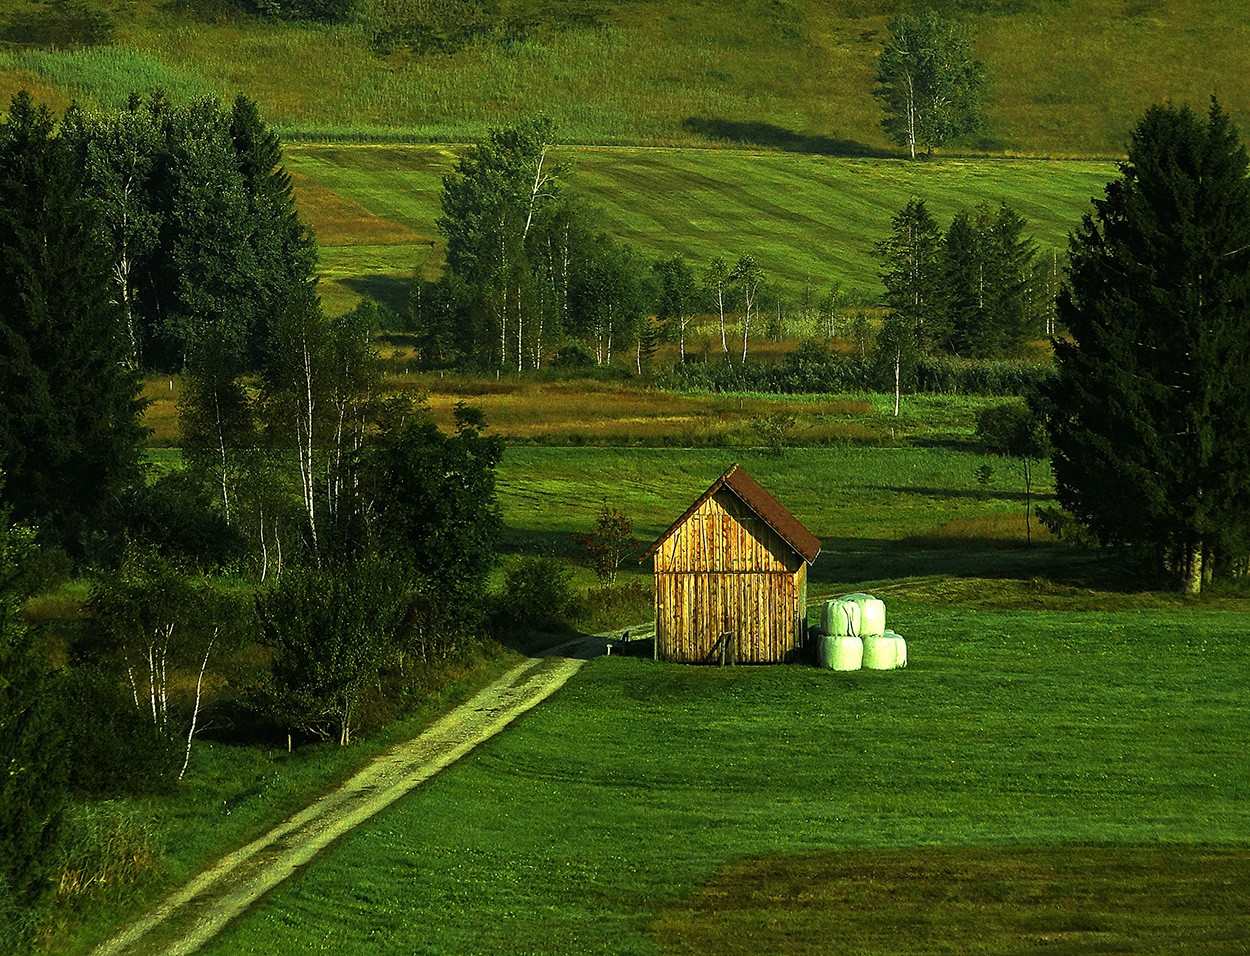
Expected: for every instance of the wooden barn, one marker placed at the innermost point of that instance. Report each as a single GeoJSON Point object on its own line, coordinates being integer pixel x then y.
{"type": "Point", "coordinates": [731, 577]}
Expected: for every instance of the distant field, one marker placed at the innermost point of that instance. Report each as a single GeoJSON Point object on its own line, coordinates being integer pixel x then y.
{"type": "Point", "coordinates": [806, 219]}
{"type": "Point", "coordinates": [1032, 779]}
{"type": "Point", "coordinates": [1066, 78]}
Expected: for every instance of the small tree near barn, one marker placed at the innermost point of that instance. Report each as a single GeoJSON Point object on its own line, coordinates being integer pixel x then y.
{"type": "Point", "coordinates": [610, 543]}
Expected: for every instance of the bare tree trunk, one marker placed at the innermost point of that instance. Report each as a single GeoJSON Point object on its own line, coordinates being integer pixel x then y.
{"type": "Point", "coordinates": [221, 446]}
{"type": "Point", "coordinates": [195, 710]}
{"type": "Point", "coordinates": [720, 305]}
{"type": "Point", "coordinates": [264, 547]}
{"type": "Point", "coordinates": [748, 303]}
{"type": "Point", "coordinates": [911, 113]}
{"type": "Point", "coordinates": [898, 380]}
{"type": "Point", "coordinates": [304, 443]}
{"type": "Point", "coordinates": [1191, 583]}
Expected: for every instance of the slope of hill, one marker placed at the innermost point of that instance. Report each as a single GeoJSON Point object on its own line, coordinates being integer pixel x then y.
{"type": "Point", "coordinates": [1066, 78]}
{"type": "Point", "coordinates": [806, 219]}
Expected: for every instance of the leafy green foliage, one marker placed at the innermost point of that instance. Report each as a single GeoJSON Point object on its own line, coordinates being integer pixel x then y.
{"type": "Point", "coordinates": [32, 751]}
{"type": "Point", "coordinates": [206, 241]}
{"type": "Point", "coordinates": [59, 25]}
{"type": "Point", "coordinates": [331, 631]}
{"type": "Point", "coordinates": [1149, 405]}
{"type": "Point", "coordinates": [676, 299]}
{"type": "Point", "coordinates": [112, 749]}
{"type": "Point", "coordinates": [537, 595]}
{"type": "Point", "coordinates": [438, 513]}
{"type": "Point", "coordinates": [929, 81]}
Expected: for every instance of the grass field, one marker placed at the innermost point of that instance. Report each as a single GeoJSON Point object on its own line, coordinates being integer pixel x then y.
{"type": "Point", "coordinates": [806, 219]}
{"type": "Point", "coordinates": [1065, 779]}
{"type": "Point", "coordinates": [1031, 754]}
{"type": "Point", "coordinates": [1066, 79]}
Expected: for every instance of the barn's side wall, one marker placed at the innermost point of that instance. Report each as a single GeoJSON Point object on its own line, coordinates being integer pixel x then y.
{"type": "Point", "coordinates": [724, 569]}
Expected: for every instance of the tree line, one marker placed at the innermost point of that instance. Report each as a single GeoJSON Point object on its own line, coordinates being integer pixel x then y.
{"type": "Point", "coordinates": [337, 527]}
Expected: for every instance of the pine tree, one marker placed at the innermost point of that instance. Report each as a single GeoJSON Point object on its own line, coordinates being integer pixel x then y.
{"type": "Point", "coordinates": [70, 437]}
{"type": "Point", "coordinates": [284, 249]}
{"type": "Point", "coordinates": [911, 269]}
{"type": "Point", "coordinates": [986, 264]}
{"type": "Point", "coordinates": [1150, 405]}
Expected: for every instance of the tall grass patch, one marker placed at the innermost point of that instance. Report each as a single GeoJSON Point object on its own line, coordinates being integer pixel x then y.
{"type": "Point", "coordinates": [793, 76]}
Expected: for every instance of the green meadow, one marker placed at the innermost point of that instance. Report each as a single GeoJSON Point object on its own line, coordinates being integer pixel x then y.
{"type": "Point", "coordinates": [1032, 777]}
{"type": "Point", "coordinates": [1066, 79]}
{"type": "Point", "coordinates": [1059, 764]}
{"type": "Point", "coordinates": [806, 219]}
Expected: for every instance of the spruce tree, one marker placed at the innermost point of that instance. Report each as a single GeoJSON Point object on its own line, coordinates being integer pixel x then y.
{"type": "Point", "coordinates": [69, 431]}
{"type": "Point", "coordinates": [911, 270]}
{"type": "Point", "coordinates": [1150, 404]}
{"type": "Point", "coordinates": [986, 265]}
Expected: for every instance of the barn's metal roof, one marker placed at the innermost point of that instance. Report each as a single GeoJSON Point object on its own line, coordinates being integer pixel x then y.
{"type": "Point", "coordinates": [753, 495]}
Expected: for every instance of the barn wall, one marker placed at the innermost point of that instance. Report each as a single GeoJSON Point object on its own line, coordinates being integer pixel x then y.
{"type": "Point", "coordinates": [724, 570]}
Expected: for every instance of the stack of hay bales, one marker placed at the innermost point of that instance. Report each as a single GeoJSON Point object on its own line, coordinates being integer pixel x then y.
{"type": "Point", "coordinates": [853, 635]}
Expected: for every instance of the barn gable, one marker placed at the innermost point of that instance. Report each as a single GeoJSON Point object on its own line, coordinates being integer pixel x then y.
{"type": "Point", "coordinates": [735, 563]}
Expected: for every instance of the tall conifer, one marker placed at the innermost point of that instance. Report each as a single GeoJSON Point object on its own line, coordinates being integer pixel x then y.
{"type": "Point", "coordinates": [1150, 406]}
{"type": "Point", "coordinates": [69, 431]}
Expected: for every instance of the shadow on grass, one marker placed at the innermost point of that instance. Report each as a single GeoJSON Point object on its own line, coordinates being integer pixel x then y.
{"type": "Point", "coordinates": [390, 291]}
{"type": "Point", "coordinates": [757, 133]}
{"type": "Point", "coordinates": [964, 493]}
{"type": "Point", "coordinates": [853, 561]}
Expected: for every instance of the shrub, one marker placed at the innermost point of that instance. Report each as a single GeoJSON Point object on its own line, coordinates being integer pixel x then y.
{"type": "Point", "coordinates": [537, 595]}
{"type": "Point", "coordinates": [574, 357]}
{"type": "Point", "coordinates": [609, 544]}
{"type": "Point", "coordinates": [616, 604]}
{"type": "Point", "coordinates": [60, 25]}
{"type": "Point", "coordinates": [774, 431]}
{"type": "Point", "coordinates": [331, 631]}
{"type": "Point", "coordinates": [176, 515]}
{"type": "Point", "coordinates": [942, 374]}
{"type": "Point", "coordinates": [113, 749]}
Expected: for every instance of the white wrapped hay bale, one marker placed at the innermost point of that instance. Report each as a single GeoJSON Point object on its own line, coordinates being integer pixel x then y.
{"type": "Point", "coordinates": [884, 652]}
{"type": "Point", "coordinates": [871, 614]}
{"type": "Point", "coordinates": [840, 618]}
{"type": "Point", "coordinates": [840, 652]}
{"type": "Point", "coordinates": [900, 648]}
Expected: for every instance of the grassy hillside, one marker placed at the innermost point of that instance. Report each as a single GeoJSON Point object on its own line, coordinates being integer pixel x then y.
{"type": "Point", "coordinates": [805, 218]}
{"type": "Point", "coordinates": [1066, 78]}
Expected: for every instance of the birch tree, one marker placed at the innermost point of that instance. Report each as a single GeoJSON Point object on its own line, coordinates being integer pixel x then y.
{"type": "Point", "coordinates": [928, 81]}
{"type": "Point", "coordinates": [716, 281]}
{"type": "Point", "coordinates": [747, 276]}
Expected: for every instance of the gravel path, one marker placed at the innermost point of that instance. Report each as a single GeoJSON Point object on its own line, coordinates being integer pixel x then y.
{"type": "Point", "coordinates": [199, 910]}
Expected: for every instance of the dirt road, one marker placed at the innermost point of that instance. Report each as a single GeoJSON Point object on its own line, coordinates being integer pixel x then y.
{"type": "Point", "coordinates": [202, 908]}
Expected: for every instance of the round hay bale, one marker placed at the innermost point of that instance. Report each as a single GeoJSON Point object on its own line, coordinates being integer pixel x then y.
{"type": "Point", "coordinates": [840, 653]}
{"type": "Point", "coordinates": [840, 618]}
{"type": "Point", "coordinates": [880, 652]}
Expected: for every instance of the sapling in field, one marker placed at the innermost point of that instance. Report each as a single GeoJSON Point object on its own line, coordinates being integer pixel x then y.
{"type": "Point", "coordinates": [610, 543]}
